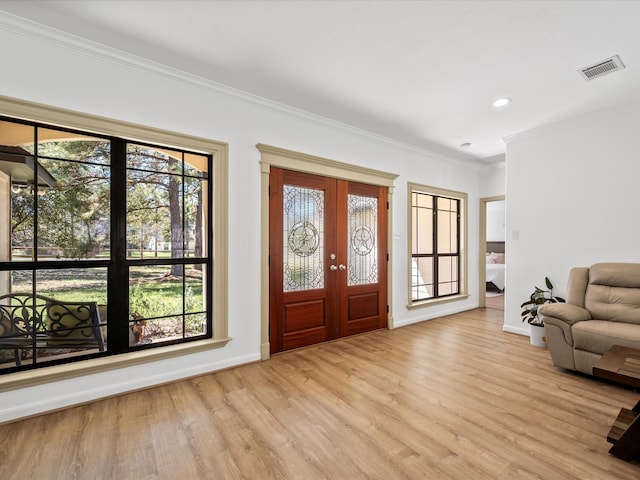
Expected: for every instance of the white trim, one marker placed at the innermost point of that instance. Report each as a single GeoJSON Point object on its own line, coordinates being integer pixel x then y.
{"type": "Point", "coordinates": [433, 316]}
{"type": "Point", "coordinates": [516, 330]}
{"type": "Point", "coordinates": [46, 34]}
{"type": "Point", "coordinates": [123, 385]}
{"type": "Point", "coordinates": [482, 250]}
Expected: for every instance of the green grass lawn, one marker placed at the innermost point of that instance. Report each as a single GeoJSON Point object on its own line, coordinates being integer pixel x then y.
{"type": "Point", "coordinates": [153, 291]}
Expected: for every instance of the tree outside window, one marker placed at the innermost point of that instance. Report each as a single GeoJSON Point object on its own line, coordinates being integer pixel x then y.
{"type": "Point", "coordinates": [93, 219]}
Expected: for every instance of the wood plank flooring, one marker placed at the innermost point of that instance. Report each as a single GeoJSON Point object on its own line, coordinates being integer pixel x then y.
{"type": "Point", "coordinates": [496, 302]}
{"type": "Point", "coordinates": [452, 398]}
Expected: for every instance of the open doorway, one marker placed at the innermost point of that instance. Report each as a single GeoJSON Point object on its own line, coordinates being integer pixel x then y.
{"type": "Point", "coordinates": [492, 252]}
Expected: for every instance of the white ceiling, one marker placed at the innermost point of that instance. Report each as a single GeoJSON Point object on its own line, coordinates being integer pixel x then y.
{"type": "Point", "coordinates": [420, 72]}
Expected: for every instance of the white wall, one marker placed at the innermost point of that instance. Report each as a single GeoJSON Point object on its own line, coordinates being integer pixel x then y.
{"type": "Point", "coordinates": [492, 180]}
{"type": "Point", "coordinates": [65, 75]}
{"type": "Point", "coordinates": [496, 221]}
{"type": "Point", "coordinates": [572, 194]}
{"type": "Point", "coordinates": [492, 184]}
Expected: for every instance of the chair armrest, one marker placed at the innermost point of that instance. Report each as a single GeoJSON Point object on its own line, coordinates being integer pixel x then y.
{"type": "Point", "coordinates": [566, 312]}
{"type": "Point", "coordinates": [559, 317]}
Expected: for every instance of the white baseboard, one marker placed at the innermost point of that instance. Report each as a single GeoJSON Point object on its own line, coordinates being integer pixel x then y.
{"type": "Point", "coordinates": [516, 330]}
{"type": "Point", "coordinates": [440, 313]}
{"type": "Point", "coordinates": [68, 393]}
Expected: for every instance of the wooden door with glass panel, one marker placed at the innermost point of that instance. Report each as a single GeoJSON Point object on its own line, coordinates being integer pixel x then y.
{"type": "Point", "coordinates": [362, 242]}
{"type": "Point", "coordinates": [327, 259]}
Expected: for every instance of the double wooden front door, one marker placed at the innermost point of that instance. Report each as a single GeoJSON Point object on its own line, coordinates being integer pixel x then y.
{"type": "Point", "coordinates": [327, 258]}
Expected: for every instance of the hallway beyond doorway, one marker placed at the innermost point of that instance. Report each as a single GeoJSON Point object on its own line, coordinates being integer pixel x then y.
{"type": "Point", "coordinates": [495, 300]}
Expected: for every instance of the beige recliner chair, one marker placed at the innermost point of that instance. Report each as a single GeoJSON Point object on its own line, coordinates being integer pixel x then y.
{"type": "Point", "coordinates": [602, 310]}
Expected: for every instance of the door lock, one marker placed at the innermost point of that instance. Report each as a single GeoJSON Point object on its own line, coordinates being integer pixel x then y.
{"type": "Point", "coordinates": [342, 267]}
{"type": "Point", "coordinates": [333, 268]}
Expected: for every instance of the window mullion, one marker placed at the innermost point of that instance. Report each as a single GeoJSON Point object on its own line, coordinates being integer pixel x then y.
{"type": "Point", "coordinates": [436, 293]}
{"type": "Point", "coordinates": [183, 212]}
{"type": "Point", "coordinates": [458, 253]}
{"type": "Point", "coordinates": [118, 289]}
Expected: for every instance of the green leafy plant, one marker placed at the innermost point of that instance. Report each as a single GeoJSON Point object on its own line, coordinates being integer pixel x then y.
{"type": "Point", "coordinates": [538, 297]}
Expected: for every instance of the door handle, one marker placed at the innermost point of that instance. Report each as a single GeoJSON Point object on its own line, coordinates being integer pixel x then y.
{"type": "Point", "coordinates": [342, 267]}
{"type": "Point", "coordinates": [333, 268]}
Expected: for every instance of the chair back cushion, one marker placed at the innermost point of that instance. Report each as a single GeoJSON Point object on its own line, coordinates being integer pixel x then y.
{"type": "Point", "coordinates": [10, 329]}
{"type": "Point", "coordinates": [71, 322]}
{"type": "Point", "coordinates": [613, 292]}
{"type": "Point", "coordinates": [577, 286]}
{"type": "Point", "coordinates": [16, 321]}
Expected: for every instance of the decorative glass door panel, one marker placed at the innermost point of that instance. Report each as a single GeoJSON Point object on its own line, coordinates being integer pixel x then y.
{"type": "Point", "coordinates": [362, 215]}
{"type": "Point", "coordinates": [303, 240]}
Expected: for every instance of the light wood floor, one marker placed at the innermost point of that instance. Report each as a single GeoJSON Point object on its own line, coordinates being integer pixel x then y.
{"type": "Point", "coordinates": [452, 398]}
{"type": "Point", "coordinates": [496, 302]}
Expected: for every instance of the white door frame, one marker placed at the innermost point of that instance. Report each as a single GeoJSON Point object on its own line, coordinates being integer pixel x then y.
{"type": "Point", "coordinates": [482, 255]}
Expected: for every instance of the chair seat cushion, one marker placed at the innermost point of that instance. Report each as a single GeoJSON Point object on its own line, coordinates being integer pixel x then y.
{"type": "Point", "coordinates": [598, 336]}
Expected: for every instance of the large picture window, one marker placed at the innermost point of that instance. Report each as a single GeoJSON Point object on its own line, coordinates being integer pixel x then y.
{"type": "Point", "coordinates": [104, 245]}
{"type": "Point", "coordinates": [437, 244]}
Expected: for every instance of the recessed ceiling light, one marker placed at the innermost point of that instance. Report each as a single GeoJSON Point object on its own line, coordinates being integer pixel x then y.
{"type": "Point", "coordinates": [465, 144]}
{"type": "Point", "coordinates": [501, 102]}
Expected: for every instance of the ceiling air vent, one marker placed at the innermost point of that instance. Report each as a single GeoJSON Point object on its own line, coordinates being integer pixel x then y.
{"type": "Point", "coordinates": [601, 68]}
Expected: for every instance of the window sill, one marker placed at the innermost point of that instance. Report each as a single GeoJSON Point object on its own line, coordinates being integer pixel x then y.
{"type": "Point", "coordinates": [40, 376]}
{"type": "Point", "coordinates": [437, 301]}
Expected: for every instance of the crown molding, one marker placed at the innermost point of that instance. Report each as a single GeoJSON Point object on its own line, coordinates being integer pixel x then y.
{"type": "Point", "coordinates": [494, 160]}
{"type": "Point", "coordinates": [61, 39]}
{"type": "Point", "coordinates": [560, 125]}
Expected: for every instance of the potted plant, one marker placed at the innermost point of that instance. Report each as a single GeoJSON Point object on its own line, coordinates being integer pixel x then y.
{"type": "Point", "coordinates": [530, 312]}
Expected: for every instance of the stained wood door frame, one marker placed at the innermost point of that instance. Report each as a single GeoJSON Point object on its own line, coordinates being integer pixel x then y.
{"type": "Point", "coordinates": [290, 160]}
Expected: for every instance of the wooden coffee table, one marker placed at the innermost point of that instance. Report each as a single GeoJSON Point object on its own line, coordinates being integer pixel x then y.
{"type": "Point", "coordinates": [622, 365]}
